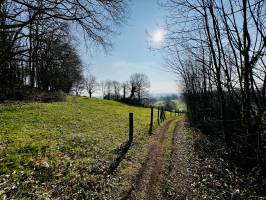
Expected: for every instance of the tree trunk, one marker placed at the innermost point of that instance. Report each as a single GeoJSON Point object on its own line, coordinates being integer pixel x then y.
{"type": "Point", "coordinates": [246, 69]}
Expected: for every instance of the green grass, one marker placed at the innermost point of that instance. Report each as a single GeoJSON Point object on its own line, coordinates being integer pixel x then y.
{"type": "Point", "coordinates": [181, 105]}
{"type": "Point", "coordinates": [63, 149]}
{"type": "Point", "coordinates": [166, 185]}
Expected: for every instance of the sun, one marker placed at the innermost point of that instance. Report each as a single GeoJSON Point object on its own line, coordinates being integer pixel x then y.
{"type": "Point", "coordinates": [158, 36]}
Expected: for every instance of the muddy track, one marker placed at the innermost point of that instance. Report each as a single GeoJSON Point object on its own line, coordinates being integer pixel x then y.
{"type": "Point", "coordinates": [147, 185]}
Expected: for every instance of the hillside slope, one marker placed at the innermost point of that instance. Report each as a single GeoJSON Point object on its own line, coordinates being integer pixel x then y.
{"type": "Point", "coordinates": [62, 150]}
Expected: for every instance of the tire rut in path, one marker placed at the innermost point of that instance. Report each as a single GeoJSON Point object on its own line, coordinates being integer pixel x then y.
{"type": "Point", "coordinates": [147, 185]}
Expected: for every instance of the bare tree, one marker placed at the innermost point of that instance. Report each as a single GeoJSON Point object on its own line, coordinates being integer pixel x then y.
{"type": "Point", "coordinates": [30, 30]}
{"type": "Point", "coordinates": [102, 85]}
{"type": "Point", "coordinates": [125, 87]}
{"type": "Point", "coordinates": [108, 89]}
{"type": "Point", "coordinates": [116, 89]}
{"type": "Point", "coordinates": [95, 17]}
{"type": "Point", "coordinates": [139, 85]}
{"type": "Point", "coordinates": [78, 87]}
{"type": "Point", "coordinates": [91, 84]}
{"type": "Point", "coordinates": [218, 49]}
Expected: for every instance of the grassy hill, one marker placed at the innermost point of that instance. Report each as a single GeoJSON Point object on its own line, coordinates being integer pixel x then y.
{"type": "Point", "coordinates": [55, 149]}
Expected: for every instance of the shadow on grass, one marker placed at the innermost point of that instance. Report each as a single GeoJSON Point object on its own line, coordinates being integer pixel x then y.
{"type": "Point", "coordinates": [121, 155]}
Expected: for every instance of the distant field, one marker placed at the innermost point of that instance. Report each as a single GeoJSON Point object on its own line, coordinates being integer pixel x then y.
{"type": "Point", "coordinates": [179, 104]}
{"type": "Point", "coordinates": [55, 149]}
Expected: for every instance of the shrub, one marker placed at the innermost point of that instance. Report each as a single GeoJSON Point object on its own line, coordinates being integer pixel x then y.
{"type": "Point", "coordinates": [29, 94]}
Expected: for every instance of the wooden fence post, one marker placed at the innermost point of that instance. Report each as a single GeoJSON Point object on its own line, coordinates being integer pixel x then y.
{"type": "Point", "coordinates": [151, 123]}
{"type": "Point", "coordinates": [130, 138]}
{"type": "Point", "coordinates": [162, 115]}
{"type": "Point", "coordinates": [158, 117]}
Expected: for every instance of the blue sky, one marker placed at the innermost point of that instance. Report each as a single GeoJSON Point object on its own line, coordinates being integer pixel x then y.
{"type": "Point", "coordinates": [131, 54]}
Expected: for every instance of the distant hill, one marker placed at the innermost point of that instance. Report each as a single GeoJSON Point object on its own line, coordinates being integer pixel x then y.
{"type": "Point", "coordinates": [180, 105]}
{"type": "Point", "coordinates": [163, 95]}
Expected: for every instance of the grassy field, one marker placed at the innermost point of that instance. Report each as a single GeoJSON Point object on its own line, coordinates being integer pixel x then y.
{"type": "Point", "coordinates": [64, 149]}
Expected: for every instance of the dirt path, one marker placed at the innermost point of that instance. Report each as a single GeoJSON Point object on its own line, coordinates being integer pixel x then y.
{"type": "Point", "coordinates": [182, 166]}
{"type": "Point", "coordinates": [165, 176]}
{"type": "Point", "coordinates": [147, 186]}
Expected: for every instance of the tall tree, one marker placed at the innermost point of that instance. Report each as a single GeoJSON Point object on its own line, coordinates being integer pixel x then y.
{"type": "Point", "coordinates": [125, 86]}
{"type": "Point", "coordinates": [139, 85]}
{"type": "Point", "coordinates": [91, 84]}
{"type": "Point", "coordinates": [32, 31]}
{"type": "Point", "coordinates": [218, 48]}
{"type": "Point", "coordinates": [116, 89]}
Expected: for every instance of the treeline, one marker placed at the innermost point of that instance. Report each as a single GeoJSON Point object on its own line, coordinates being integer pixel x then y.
{"type": "Point", "coordinates": [134, 91]}
{"type": "Point", "coordinates": [218, 48]}
{"type": "Point", "coordinates": [36, 46]}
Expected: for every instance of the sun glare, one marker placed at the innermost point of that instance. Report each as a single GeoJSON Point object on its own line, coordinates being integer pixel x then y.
{"type": "Point", "coordinates": [158, 36]}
